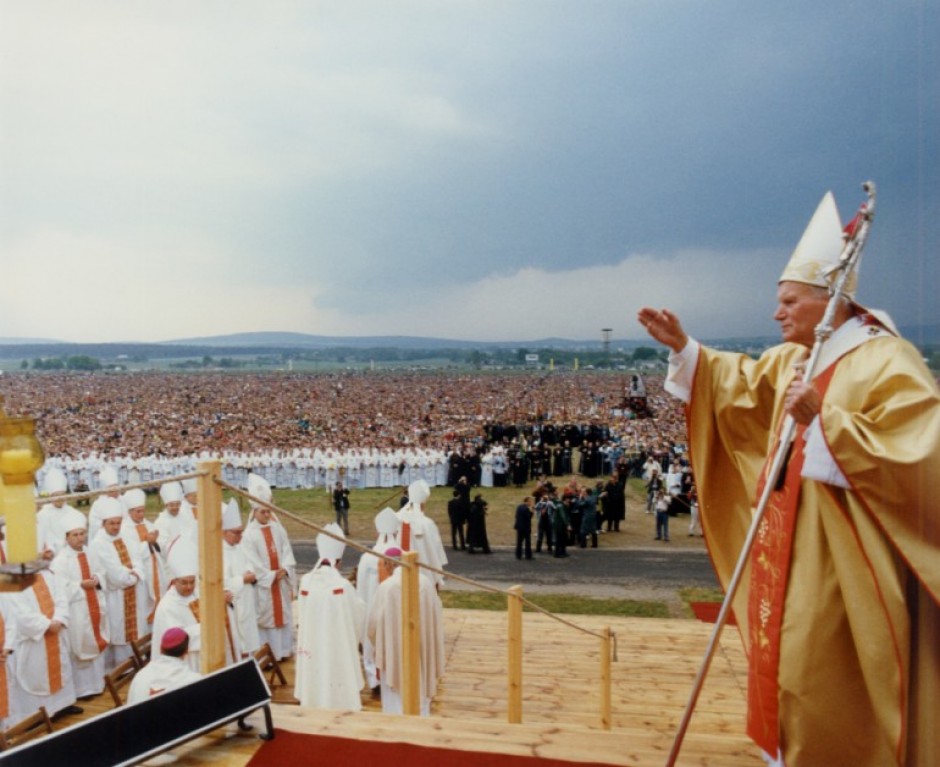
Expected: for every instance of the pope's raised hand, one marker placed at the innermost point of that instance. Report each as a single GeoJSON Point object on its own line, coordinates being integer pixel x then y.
{"type": "Point", "coordinates": [664, 326]}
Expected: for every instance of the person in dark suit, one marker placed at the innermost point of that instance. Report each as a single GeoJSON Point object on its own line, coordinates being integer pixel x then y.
{"type": "Point", "coordinates": [523, 527]}
{"type": "Point", "coordinates": [341, 506]}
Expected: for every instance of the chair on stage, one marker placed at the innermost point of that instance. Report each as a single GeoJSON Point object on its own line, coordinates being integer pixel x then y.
{"type": "Point", "coordinates": [120, 677]}
{"type": "Point", "coordinates": [281, 692]}
{"type": "Point", "coordinates": [35, 725]}
{"type": "Point", "coordinates": [141, 649]}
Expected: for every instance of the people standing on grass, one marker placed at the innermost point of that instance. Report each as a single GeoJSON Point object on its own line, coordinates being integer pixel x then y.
{"type": "Point", "coordinates": [661, 504]}
{"type": "Point", "coordinates": [523, 528]}
{"type": "Point", "coordinates": [476, 527]}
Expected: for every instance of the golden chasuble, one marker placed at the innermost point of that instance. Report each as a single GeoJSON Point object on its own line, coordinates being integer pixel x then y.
{"type": "Point", "coordinates": [859, 667]}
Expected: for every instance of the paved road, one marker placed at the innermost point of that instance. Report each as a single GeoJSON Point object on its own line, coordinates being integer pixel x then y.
{"type": "Point", "coordinates": [604, 568]}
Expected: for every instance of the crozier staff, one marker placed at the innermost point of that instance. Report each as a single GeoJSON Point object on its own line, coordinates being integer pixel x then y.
{"type": "Point", "coordinates": [839, 610]}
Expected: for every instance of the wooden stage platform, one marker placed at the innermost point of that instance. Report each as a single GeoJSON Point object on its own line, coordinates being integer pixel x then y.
{"type": "Point", "coordinates": [656, 662]}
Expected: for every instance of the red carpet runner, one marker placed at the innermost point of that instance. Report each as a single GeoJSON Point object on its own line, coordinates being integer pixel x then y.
{"type": "Point", "coordinates": [291, 748]}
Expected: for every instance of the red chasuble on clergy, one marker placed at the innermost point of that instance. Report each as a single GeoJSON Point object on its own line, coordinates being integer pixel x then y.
{"type": "Point", "coordinates": [53, 660]}
{"type": "Point", "coordinates": [275, 565]}
{"type": "Point", "coordinates": [770, 567]}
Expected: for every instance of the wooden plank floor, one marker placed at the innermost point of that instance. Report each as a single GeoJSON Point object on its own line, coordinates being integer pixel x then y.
{"type": "Point", "coordinates": [652, 677]}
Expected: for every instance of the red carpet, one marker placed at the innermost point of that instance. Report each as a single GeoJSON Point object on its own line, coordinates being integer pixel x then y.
{"type": "Point", "coordinates": [291, 748]}
{"type": "Point", "coordinates": [707, 612]}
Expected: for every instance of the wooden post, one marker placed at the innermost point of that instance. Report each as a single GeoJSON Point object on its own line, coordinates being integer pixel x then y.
{"type": "Point", "coordinates": [410, 635]}
{"type": "Point", "coordinates": [514, 611]}
{"type": "Point", "coordinates": [605, 678]}
{"type": "Point", "coordinates": [211, 597]}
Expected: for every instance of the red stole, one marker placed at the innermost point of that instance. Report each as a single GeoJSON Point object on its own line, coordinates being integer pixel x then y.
{"type": "Point", "coordinates": [406, 536]}
{"type": "Point", "coordinates": [275, 562]}
{"type": "Point", "coordinates": [53, 660]}
{"type": "Point", "coordinates": [91, 597]}
{"type": "Point", "coordinates": [130, 595]}
{"type": "Point", "coordinates": [142, 533]}
{"type": "Point", "coordinates": [770, 569]}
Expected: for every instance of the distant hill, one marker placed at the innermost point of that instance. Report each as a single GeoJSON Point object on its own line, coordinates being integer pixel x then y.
{"type": "Point", "coordinates": [274, 339]}
{"type": "Point", "coordinates": [20, 341]}
{"type": "Point", "coordinates": [277, 343]}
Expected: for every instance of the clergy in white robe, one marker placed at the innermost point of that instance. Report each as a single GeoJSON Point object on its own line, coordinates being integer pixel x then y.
{"type": "Point", "coordinates": [168, 670]}
{"type": "Point", "coordinates": [124, 585]}
{"type": "Point", "coordinates": [422, 534]}
{"type": "Point", "coordinates": [142, 538]}
{"type": "Point", "coordinates": [107, 481]}
{"type": "Point", "coordinates": [41, 648]}
{"type": "Point", "coordinates": [384, 628]}
{"type": "Point", "coordinates": [330, 618]}
{"type": "Point", "coordinates": [10, 711]}
{"type": "Point", "coordinates": [179, 606]}
{"type": "Point", "coordinates": [51, 516]}
{"type": "Point", "coordinates": [367, 581]}
{"type": "Point", "coordinates": [240, 578]}
{"type": "Point", "coordinates": [80, 575]}
{"type": "Point", "coordinates": [267, 542]}
{"type": "Point", "coordinates": [170, 523]}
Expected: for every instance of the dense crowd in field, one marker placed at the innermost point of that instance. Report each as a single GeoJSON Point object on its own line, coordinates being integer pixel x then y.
{"type": "Point", "coordinates": [307, 430]}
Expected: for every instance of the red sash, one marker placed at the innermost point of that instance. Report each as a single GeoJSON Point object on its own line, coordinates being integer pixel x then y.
{"type": "Point", "coordinates": [406, 536]}
{"type": "Point", "coordinates": [91, 596]}
{"type": "Point", "coordinates": [143, 533]}
{"type": "Point", "coordinates": [277, 602]}
{"type": "Point", "coordinates": [770, 569]}
{"type": "Point", "coordinates": [130, 596]}
{"type": "Point", "coordinates": [53, 660]}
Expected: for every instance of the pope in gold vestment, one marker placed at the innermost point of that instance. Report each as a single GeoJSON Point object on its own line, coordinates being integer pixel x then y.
{"type": "Point", "coordinates": [859, 669]}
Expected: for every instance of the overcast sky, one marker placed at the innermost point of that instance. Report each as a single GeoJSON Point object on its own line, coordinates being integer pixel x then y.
{"type": "Point", "coordinates": [472, 170]}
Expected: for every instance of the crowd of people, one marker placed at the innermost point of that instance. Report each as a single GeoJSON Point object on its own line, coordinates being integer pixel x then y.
{"type": "Point", "coordinates": [366, 429]}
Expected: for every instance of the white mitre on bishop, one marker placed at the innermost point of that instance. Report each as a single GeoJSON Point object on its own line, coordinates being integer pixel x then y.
{"type": "Point", "coordinates": [418, 493]}
{"type": "Point", "coordinates": [231, 515]}
{"type": "Point", "coordinates": [386, 524]}
{"type": "Point", "coordinates": [328, 547]}
{"type": "Point", "coordinates": [171, 492]}
{"type": "Point", "coordinates": [72, 520]}
{"type": "Point", "coordinates": [258, 487]}
{"type": "Point", "coordinates": [183, 559]}
{"type": "Point", "coordinates": [819, 249]}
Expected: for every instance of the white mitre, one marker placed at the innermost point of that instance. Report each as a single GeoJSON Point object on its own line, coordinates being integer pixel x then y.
{"type": "Point", "coordinates": [819, 249]}
{"type": "Point", "coordinates": [817, 254]}
{"type": "Point", "coordinates": [327, 546]}
{"type": "Point", "coordinates": [258, 487]}
{"type": "Point", "coordinates": [183, 559]}
{"type": "Point", "coordinates": [231, 515]}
